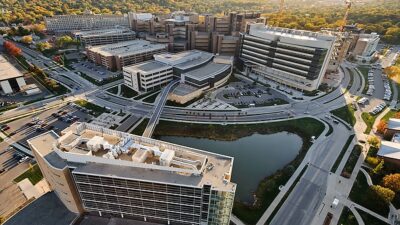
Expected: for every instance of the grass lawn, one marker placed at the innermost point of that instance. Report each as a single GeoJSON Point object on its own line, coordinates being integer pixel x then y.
{"type": "Point", "coordinates": [113, 90]}
{"type": "Point", "coordinates": [347, 217]}
{"type": "Point", "coordinates": [151, 98]}
{"type": "Point", "coordinates": [346, 113]}
{"type": "Point", "coordinates": [95, 109]}
{"type": "Point", "coordinates": [363, 195]}
{"type": "Point", "coordinates": [340, 157]}
{"type": "Point", "coordinates": [352, 161]}
{"type": "Point", "coordinates": [369, 120]}
{"type": "Point", "coordinates": [33, 174]}
{"type": "Point", "coordinates": [127, 92]}
{"type": "Point", "coordinates": [389, 115]}
{"type": "Point", "coordinates": [364, 72]}
{"type": "Point", "coordinates": [141, 127]}
{"type": "Point", "coordinates": [370, 220]}
{"type": "Point", "coordinates": [268, 187]}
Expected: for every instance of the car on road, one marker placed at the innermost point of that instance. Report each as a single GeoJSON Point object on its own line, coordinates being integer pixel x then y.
{"type": "Point", "coordinates": [5, 128]}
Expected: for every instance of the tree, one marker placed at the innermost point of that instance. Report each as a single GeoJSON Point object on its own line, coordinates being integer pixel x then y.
{"type": "Point", "coordinates": [26, 39]}
{"type": "Point", "coordinates": [378, 167]}
{"type": "Point", "coordinates": [385, 194]}
{"type": "Point", "coordinates": [41, 46]}
{"type": "Point", "coordinates": [392, 181]}
{"type": "Point", "coordinates": [12, 49]}
{"type": "Point", "coordinates": [381, 127]}
{"type": "Point", "coordinates": [64, 41]}
{"type": "Point", "coordinates": [374, 141]}
{"type": "Point", "coordinates": [392, 71]}
{"type": "Point", "coordinates": [38, 28]}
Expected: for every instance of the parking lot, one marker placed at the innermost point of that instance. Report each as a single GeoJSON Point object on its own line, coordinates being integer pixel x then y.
{"type": "Point", "coordinates": [21, 130]}
{"type": "Point", "coordinates": [246, 94]}
{"type": "Point", "coordinates": [97, 72]}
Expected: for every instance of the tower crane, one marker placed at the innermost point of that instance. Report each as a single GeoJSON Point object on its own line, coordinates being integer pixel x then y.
{"type": "Point", "coordinates": [348, 7]}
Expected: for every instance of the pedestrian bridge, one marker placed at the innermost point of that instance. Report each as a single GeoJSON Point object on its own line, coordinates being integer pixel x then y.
{"type": "Point", "coordinates": [158, 107]}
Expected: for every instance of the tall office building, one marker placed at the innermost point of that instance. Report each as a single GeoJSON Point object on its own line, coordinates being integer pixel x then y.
{"type": "Point", "coordinates": [69, 23]}
{"type": "Point", "coordinates": [110, 173]}
{"type": "Point", "coordinates": [292, 57]}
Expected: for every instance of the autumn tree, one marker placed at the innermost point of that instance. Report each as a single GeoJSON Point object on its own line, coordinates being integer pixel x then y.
{"type": "Point", "coordinates": [374, 141]}
{"type": "Point", "coordinates": [392, 181]}
{"type": "Point", "coordinates": [392, 71]}
{"type": "Point", "coordinates": [12, 49]}
{"type": "Point", "coordinates": [385, 194]}
{"type": "Point", "coordinates": [381, 127]}
{"type": "Point", "coordinates": [26, 39]}
{"type": "Point", "coordinates": [41, 46]}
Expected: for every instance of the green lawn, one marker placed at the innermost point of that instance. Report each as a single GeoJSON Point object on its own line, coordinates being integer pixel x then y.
{"type": "Point", "coordinates": [113, 90]}
{"type": "Point", "coordinates": [340, 157]}
{"type": "Point", "coordinates": [141, 127]}
{"type": "Point", "coordinates": [346, 113]}
{"type": "Point", "coordinates": [370, 220]}
{"type": "Point", "coordinates": [364, 72]}
{"type": "Point", "coordinates": [369, 120]}
{"type": "Point", "coordinates": [347, 217]}
{"type": "Point", "coordinates": [151, 98]}
{"type": "Point", "coordinates": [33, 174]}
{"type": "Point", "coordinates": [389, 115]}
{"type": "Point", "coordinates": [127, 92]}
{"type": "Point", "coordinates": [95, 109]}
{"type": "Point", "coordinates": [363, 195]}
{"type": "Point", "coordinates": [352, 161]}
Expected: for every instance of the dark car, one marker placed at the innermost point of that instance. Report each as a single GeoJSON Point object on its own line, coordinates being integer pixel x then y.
{"type": "Point", "coordinates": [5, 128]}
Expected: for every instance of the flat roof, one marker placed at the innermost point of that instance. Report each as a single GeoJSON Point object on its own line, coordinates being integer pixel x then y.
{"type": "Point", "coordinates": [184, 60]}
{"type": "Point", "coordinates": [184, 89]}
{"type": "Point", "coordinates": [46, 210]}
{"type": "Point", "coordinates": [389, 149]}
{"type": "Point", "coordinates": [97, 150]}
{"type": "Point", "coordinates": [208, 71]}
{"type": "Point", "coordinates": [147, 67]}
{"type": "Point", "coordinates": [104, 32]}
{"type": "Point", "coordinates": [126, 48]}
{"type": "Point", "coordinates": [393, 124]}
{"type": "Point", "coordinates": [291, 33]}
{"type": "Point", "coordinates": [7, 70]}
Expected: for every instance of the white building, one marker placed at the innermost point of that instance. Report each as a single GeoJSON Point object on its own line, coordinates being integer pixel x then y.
{"type": "Point", "coordinates": [114, 174]}
{"type": "Point", "coordinates": [295, 58]}
{"type": "Point", "coordinates": [69, 23]}
{"type": "Point", "coordinates": [365, 48]}
{"type": "Point", "coordinates": [11, 79]}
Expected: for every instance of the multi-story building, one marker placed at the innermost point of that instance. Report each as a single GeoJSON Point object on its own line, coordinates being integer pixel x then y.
{"type": "Point", "coordinates": [11, 79]}
{"type": "Point", "coordinates": [365, 47]}
{"type": "Point", "coordinates": [109, 173]}
{"type": "Point", "coordinates": [146, 23]}
{"type": "Point", "coordinates": [341, 47]}
{"type": "Point", "coordinates": [115, 56]}
{"type": "Point", "coordinates": [197, 71]}
{"type": "Point", "coordinates": [292, 57]}
{"type": "Point", "coordinates": [69, 23]}
{"type": "Point", "coordinates": [103, 37]}
{"type": "Point", "coordinates": [213, 42]}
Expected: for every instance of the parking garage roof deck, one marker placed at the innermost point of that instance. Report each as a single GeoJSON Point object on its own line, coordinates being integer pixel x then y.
{"type": "Point", "coordinates": [8, 71]}
{"type": "Point", "coordinates": [143, 158]}
{"type": "Point", "coordinates": [105, 32]}
{"type": "Point", "coordinates": [147, 67]}
{"type": "Point", "coordinates": [126, 48]}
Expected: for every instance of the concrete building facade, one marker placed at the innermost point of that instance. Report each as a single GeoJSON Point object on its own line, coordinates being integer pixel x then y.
{"type": "Point", "coordinates": [104, 37]}
{"type": "Point", "coordinates": [122, 175]}
{"type": "Point", "coordinates": [115, 56]}
{"type": "Point", "coordinates": [298, 59]}
{"type": "Point", "coordinates": [69, 23]}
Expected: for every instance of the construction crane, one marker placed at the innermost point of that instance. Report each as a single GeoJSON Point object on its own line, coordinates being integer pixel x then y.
{"type": "Point", "coordinates": [281, 6]}
{"type": "Point", "coordinates": [348, 7]}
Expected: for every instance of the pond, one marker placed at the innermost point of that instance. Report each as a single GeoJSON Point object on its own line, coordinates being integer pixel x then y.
{"type": "Point", "coordinates": [256, 156]}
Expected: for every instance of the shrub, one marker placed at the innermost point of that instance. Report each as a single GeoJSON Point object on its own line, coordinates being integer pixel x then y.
{"type": "Point", "coordinates": [373, 161]}
{"type": "Point", "coordinates": [385, 194]}
{"type": "Point", "coordinates": [392, 181]}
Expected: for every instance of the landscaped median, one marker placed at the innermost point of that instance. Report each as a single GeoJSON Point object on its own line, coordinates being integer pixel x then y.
{"type": "Point", "coordinates": [268, 188]}
{"type": "Point", "coordinates": [94, 109]}
{"type": "Point", "coordinates": [346, 113]}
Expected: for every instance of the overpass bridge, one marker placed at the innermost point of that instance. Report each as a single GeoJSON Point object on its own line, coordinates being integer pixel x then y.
{"type": "Point", "coordinates": [158, 107]}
